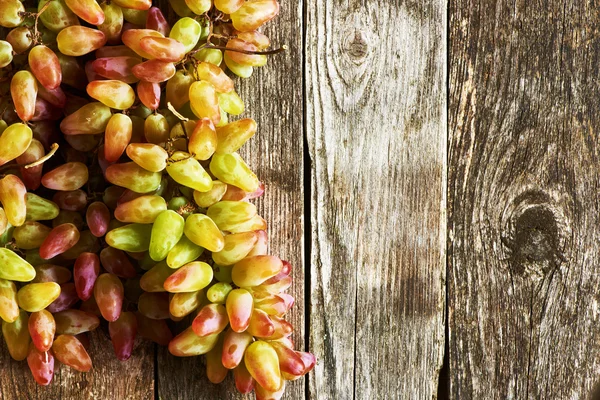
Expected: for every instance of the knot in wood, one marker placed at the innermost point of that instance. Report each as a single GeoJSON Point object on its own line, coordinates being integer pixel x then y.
{"type": "Point", "coordinates": [356, 46]}
{"type": "Point", "coordinates": [534, 234]}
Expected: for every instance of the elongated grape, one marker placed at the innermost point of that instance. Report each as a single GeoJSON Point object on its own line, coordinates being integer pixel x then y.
{"type": "Point", "coordinates": [228, 6]}
{"type": "Point", "coordinates": [255, 60]}
{"type": "Point", "coordinates": [14, 141]}
{"type": "Point", "coordinates": [203, 140]}
{"type": "Point", "coordinates": [211, 197]}
{"type": "Point", "coordinates": [109, 292]}
{"type": "Point", "coordinates": [113, 23]}
{"type": "Point", "coordinates": [86, 243]}
{"type": "Point", "coordinates": [90, 119]}
{"type": "Point", "coordinates": [133, 177]}
{"type": "Point", "coordinates": [23, 90]}
{"type": "Point", "coordinates": [117, 68]}
{"type": "Point", "coordinates": [132, 237]}
{"type": "Point", "coordinates": [12, 196]}
{"type": "Point", "coordinates": [178, 88]}
{"type": "Point", "coordinates": [11, 14]}
{"type": "Point", "coordinates": [231, 169]}
{"type": "Point", "coordinates": [116, 262]}
{"type": "Point", "coordinates": [243, 71]}
{"type": "Point", "coordinates": [211, 319]}
{"type": "Point", "coordinates": [40, 209]}
{"type": "Point", "coordinates": [142, 210]}
{"type": "Point", "coordinates": [148, 156]}
{"type": "Point", "coordinates": [149, 94]}
{"type": "Point", "coordinates": [263, 364]}
{"type": "Point", "coordinates": [57, 15]}
{"type": "Point", "coordinates": [166, 232]}
{"type": "Point", "coordinates": [190, 278]}
{"type": "Point", "coordinates": [16, 336]}
{"type": "Point", "coordinates": [234, 346]}
{"type": "Point", "coordinates": [153, 280]}
{"type": "Point", "coordinates": [30, 235]}
{"type": "Point", "coordinates": [9, 308]}
{"type": "Point", "coordinates": [41, 365]}
{"type": "Point", "coordinates": [233, 135]}
{"type": "Point", "coordinates": [41, 327]}
{"type": "Point", "coordinates": [254, 13]}
{"type": "Point", "coordinates": [69, 176]}
{"type": "Point", "coordinates": [231, 103]}
{"type": "Point", "coordinates": [218, 292]}
{"type": "Point", "coordinates": [229, 213]}
{"type": "Point", "coordinates": [69, 351]}
{"type": "Point", "coordinates": [122, 334]}
{"type": "Point", "coordinates": [51, 273]}
{"type": "Point", "coordinates": [72, 200]}
{"type": "Point", "coordinates": [211, 73]}
{"type": "Point", "coordinates": [202, 230]}
{"type": "Point", "coordinates": [163, 49]}
{"type": "Point", "coordinates": [97, 218]}
{"type": "Point", "coordinates": [183, 304]}
{"type": "Point", "coordinates": [45, 66]}
{"type": "Point", "coordinates": [186, 170]}
{"type": "Point", "coordinates": [79, 40]}
{"type": "Point", "coordinates": [244, 382]}
{"type": "Point", "coordinates": [184, 252]}
{"type": "Point", "coordinates": [74, 322]}
{"type": "Point", "coordinates": [156, 129]}
{"type": "Point", "coordinates": [156, 21]}
{"type": "Point", "coordinates": [187, 344]}
{"type": "Point", "coordinates": [204, 101]}
{"type": "Point", "coordinates": [154, 71]}
{"type": "Point", "coordinates": [134, 4]}
{"type": "Point", "coordinates": [236, 247]}
{"type": "Point", "coordinates": [132, 39]}
{"type": "Point", "coordinates": [37, 296]}
{"type": "Point", "coordinates": [113, 93]}
{"type": "Point", "coordinates": [85, 273]}
{"type": "Point", "coordinates": [117, 136]}
{"type": "Point", "coordinates": [187, 32]}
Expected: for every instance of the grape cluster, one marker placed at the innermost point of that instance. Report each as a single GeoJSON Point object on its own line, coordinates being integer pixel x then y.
{"type": "Point", "coordinates": [124, 200]}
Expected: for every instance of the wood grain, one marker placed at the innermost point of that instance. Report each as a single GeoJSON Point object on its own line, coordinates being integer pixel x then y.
{"type": "Point", "coordinates": [524, 177]}
{"type": "Point", "coordinates": [376, 127]}
{"type": "Point", "coordinates": [273, 97]}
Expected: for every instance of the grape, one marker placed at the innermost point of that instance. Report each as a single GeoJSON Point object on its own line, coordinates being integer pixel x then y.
{"type": "Point", "coordinates": [241, 70]}
{"type": "Point", "coordinates": [39, 209]}
{"type": "Point", "coordinates": [6, 53]}
{"type": "Point", "coordinates": [41, 365]}
{"type": "Point", "coordinates": [204, 101]}
{"type": "Point", "coordinates": [74, 322]}
{"type": "Point", "coordinates": [201, 230]}
{"type": "Point", "coordinates": [231, 213]}
{"type": "Point", "coordinates": [156, 128]}
{"type": "Point", "coordinates": [191, 277]}
{"type": "Point", "coordinates": [116, 262]}
{"type": "Point", "coordinates": [12, 196]}
{"type": "Point", "coordinates": [117, 68]}
{"type": "Point", "coordinates": [183, 252]}
{"type": "Point", "coordinates": [231, 169]}
{"type": "Point", "coordinates": [253, 60]}
{"type": "Point", "coordinates": [156, 21]}
{"type": "Point", "coordinates": [218, 292]}
{"type": "Point", "coordinates": [85, 273]}
{"type": "Point", "coordinates": [276, 305]}
{"type": "Point", "coordinates": [87, 10]}
{"type": "Point", "coordinates": [230, 103]}
{"type": "Point", "coordinates": [263, 364]}
{"type": "Point", "coordinates": [203, 140]}
{"type": "Point", "coordinates": [41, 327]}
{"type": "Point", "coordinates": [239, 306]}
{"type": "Point", "coordinates": [112, 93]}
{"type": "Point", "coordinates": [79, 40]}
{"type": "Point", "coordinates": [233, 135]}
{"type": "Point", "coordinates": [69, 351]}
{"type": "Point", "coordinates": [211, 197]}
{"type": "Point", "coordinates": [187, 343]}
{"type": "Point", "coordinates": [108, 293]}
{"type": "Point", "coordinates": [235, 248]}
{"type": "Point", "coordinates": [20, 40]}
{"type": "Point", "coordinates": [166, 232]}
{"type": "Point", "coordinates": [244, 382]}
{"type": "Point", "coordinates": [113, 23]}
{"type": "Point", "coordinates": [9, 309]}
{"type": "Point", "coordinates": [30, 235]}
{"type": "Point", "coordinates": [133, 177]}
{"type": "Point", "coordinates": [117, 136]}
{"type": "Point", "coordinates": [122, 334]}
{"type": "Point", "coordinates": [11, 13]}
{"type": "Point", "coordinates": [228, 6]}
{"type": "Point", "coordinates": [186, 31]}
{"type": "Point", "coordinates": [212, 319]}
{"type": "Point", "coordinates": [16, 336]}
{"type": "Point", "coordinates": [234, 347]}
{"type": "Point", "coordinates": [90, 119]}
{"type": "Point", "coordinates": [14, 141]}
{"type": "Point", "coordinates": [37, 296]}
{"type": "Point", "coordinates": [132, 237]}
{"type": "Point", "coordinates": [186, 170]}
{"type": "Point", "coordinates": [178, 88]}
{"type": "Point", "coordinates": [57, 15]}
{"type": "Point", "coordinates": [133, 37]}
{"type": "Point", "coordinates": [149, 94]}
{"type": "Point", "coordinates": [154, 71]}
{"type": "Point", "coordinates": [45, 66]}
{"type": "Point", "coordinates": [182, 304]}
{"type": "Point", "coordinates": [254, 13]}
{"type": "Point", "coordinates": [215, 76]}
{"type": "Point", "coordinates": [97, 218]}
{"type": "Point", "coordinates": [51, 273]}
{"type": "Point", "coordinates": [67, 298]}
{"type": "Point", "coordinates": [23, 89]}
{"type": "Point", "coordinates": [59, 240]}
{"type": "Point", "coordinates": [149, 156]}
{"type": "Point", "coordinates": [72, 200]}
{"type": "Point", "coordinates": [263, 394]}
{"type": "Point", "coordinates": [134, 4]}
{"type": "Point", "coordinates": [163, 49]}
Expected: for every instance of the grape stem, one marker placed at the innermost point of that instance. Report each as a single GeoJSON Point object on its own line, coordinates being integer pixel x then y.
{"type": "Point", "coordinates": [257, 53]}
{"type": "Point", "coordinates": [174, 111]}
{"type": "Point", "coordinates": [46, 157]}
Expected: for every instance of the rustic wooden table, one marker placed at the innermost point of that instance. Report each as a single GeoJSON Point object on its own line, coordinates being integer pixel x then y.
{"type": "Point", "coordinates": [432, 173]}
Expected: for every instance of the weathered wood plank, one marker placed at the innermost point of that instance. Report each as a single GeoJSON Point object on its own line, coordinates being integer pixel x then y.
{"type": "Point", "coordinates": [376, 126]}
{"type": "Point", "coordinates": [523, 186]}
{"type": "Point", "coordinates": [273, 97]}
{"type": "Point", "coordinates": [109, 378]}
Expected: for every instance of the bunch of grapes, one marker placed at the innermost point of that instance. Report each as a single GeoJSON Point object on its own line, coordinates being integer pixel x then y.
{"type": "Point", "coordinates": [124, 200]}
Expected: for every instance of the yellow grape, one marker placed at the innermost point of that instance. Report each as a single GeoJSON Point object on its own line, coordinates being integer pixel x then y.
{"type": "Point", "coordinates": [233, 135]}
{"type": "Point", "coordinates": [204, 101]}
{"type": "Point", "coordinates": [6, 53]}
{"type": "Point", "coordinates": [199, 7]}
{"type": "Point", "coordinates": [79, 40]}
{"type": "Point", "coordinates": [187, 32]}
{"type": "Point", "coordinates": [87, 10]}
{"type": "Point", "coordinates": [11, 13]}
{"type": "Point", "coordinates": [215, 76]}
{"type": "Point", "coordinates": [133, 177]}
{"type": "Point", "coordinates": [231, 103]}
{"type": "Point", "coordinates": [156, 129]}
{"type": "Point", "coordinates": [178, 88]}
{"type": "Point", "coordinates": [254, 13]}
{"type": "Point", "coordinates": [134, 4]}
{"type": "Point", "coordinates": [231, 169]}
{"type": "Point", "coordinates": [202, 231]}
{"type": "Point", "coordinates": [23, 90]}
{"type": "Point", "coordinates": [187, 171]}
{"type": "Point", "coordinates": [213, 56]}
{"type": "Point", "coordinates": [228, 6]}
{"type": "Point", "coordinates": [14, 141]}
{"type": "Point", "coordinates": [117, 136]}
{"type": "Point", "coordinates": [148, 156]}
{"type": "Point", "coordinates": [112, 25]}
{"type": "Point", "coordinates": [214, 195]}
{"type": "Point", "coordinates": [12, 197]}
{"type": "Point", "coordinates": [113, 93]}
{"type": "Point", "coordinates": [203, 140]}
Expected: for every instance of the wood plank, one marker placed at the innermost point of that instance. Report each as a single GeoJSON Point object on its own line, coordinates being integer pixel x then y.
{"type": "Point", "coordinates": [273, 97]}
{"type": "Point", "coordinates": [109, 378]}
{"type": "Point", "coordinates": [376, 126]}
{"type": "Point", "coordinates": [523, 192]}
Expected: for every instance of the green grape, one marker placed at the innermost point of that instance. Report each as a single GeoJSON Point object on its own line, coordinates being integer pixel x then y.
{"type": "Point", "coordinates": [57, 16]}
{"type": "Point", "coordinates": [231, 169]}
{"type": "Point", "coordinates": [213, 56]}
{"type": "Point", "coordinates": [199, 7]}
{"type": "Point", "coordinates": [183, 252]}
{"type": "Point", "coordinates": [30, 235]}
{"type": "Point", "coordinates": [166, 232]}
{"type": "Point", "coordinates": [230, 213]}
{"type": "Point", "coordinates": [218, 292]}
{"type": "Point", "coordinates": [231, 103]}
{"type": "Point", "coordinates": [16, 335]}
{"type": "Point", "coordinates": [233, 135]}
{"type": "Point", "coordinates": [191, 277]}
{"type": "Point", "coordinates": [40, 209]}
{"type": "Point", "coordinates": [178, 204]}
{"type": "Point", "coordinates": [113, 22]}
{"type": "Point", "coordinates": [136, 17]}
{"type": "Point", "coordinates": [133, 177]}
{"type": "Point", "coordinates": [187, 32]}
{"type": "Point", "coordinates": [156, 127]}
{"type": "Point", "coordinates": [214, 195]}
{"type": "Point", "coordinates": [202, 230]}
{"type": "Point", "coordinates": [6, 53]}
{"type": "Point", "coordinates": [20, 39]}
{"type": "Point", "coordinates": [132, 237]}
{"type": "Point", "coordinates": [180, 8]}
{"type": "Point", "coordinates": [186, 170]}
{"type": "Point", "coordinates": [243, 71]}
{"type": "Point", "coordinates": [90, 119]}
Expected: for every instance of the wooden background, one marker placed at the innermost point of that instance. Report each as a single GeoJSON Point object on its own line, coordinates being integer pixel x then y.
{"type": "Point", "coordinates": [432, 172]}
